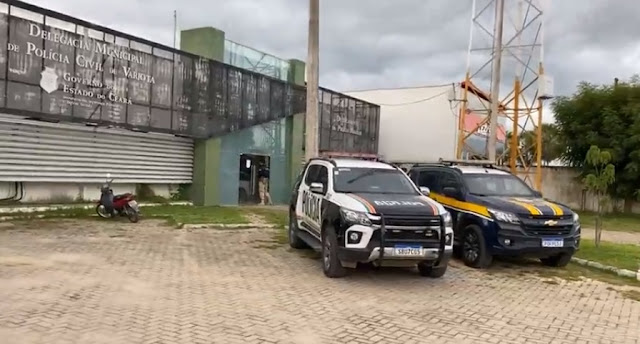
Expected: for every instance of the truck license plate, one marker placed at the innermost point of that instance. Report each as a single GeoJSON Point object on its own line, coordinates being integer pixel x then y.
{"type": "Point", "coordinates": [552, 242]}
{"type": "Point", "coordinates": [408, 251]}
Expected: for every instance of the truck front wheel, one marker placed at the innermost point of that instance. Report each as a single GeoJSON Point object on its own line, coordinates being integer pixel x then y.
{"type": "Point", "coordinates": [475, 253]}
{"type": "Point", "coordinates": [559, 261]}
{"type": "Point", "coordinates": [431, 271]}
{"type": "Point", "coordinates": [330, 263]}
{"type": "Point", "coordinates": [294, 239]}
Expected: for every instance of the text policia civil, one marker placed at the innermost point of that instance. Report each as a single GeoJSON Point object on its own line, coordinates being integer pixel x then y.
{"type": "Point", "coordinates": [90, 45]}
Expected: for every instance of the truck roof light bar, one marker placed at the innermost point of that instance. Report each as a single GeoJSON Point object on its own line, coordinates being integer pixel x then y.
{"type": "Point", "coordinates": [483, 163]}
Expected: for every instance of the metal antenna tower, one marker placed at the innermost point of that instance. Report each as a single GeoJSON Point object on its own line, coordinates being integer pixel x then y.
{"type": "Point", "coordinates": [505, 80]}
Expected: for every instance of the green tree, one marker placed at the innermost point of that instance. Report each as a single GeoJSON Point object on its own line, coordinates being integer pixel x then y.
{"type": "Point", "coordinates": [600, 176]}
{"type": "Point", "coordinates": [552, 146]}
{"type": "Point", "coordinates": [604, 116]}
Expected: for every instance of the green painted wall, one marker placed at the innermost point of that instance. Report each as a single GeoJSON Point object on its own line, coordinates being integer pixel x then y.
{"type": "Point", "coordinates": [205, 190]}
{"type": "Point", "coordinates": [204, 41]}
{"type": "Point", "coordinates": [297, 142]}
{"type": "Point", "coordinates": [208, 188]}
{"type": "Point", "coordinates": [296, 72]}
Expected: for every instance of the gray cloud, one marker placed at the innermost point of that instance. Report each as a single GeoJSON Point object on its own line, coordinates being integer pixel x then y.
{"type": "Point", "coordinates": [383, 43]}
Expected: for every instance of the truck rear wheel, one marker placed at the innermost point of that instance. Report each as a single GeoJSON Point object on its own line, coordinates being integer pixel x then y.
{"type": "Point", "coordinates": [431, 271]}
{"type": "Point", "coordinates": [330, 263]}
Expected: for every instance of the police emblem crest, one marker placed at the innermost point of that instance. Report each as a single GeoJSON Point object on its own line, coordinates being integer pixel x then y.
{"type": "Point", "coordinates": [49, 79]}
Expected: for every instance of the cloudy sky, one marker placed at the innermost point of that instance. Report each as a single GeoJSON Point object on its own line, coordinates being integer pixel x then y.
{"type": "Point", "coordinates": [387, 43]}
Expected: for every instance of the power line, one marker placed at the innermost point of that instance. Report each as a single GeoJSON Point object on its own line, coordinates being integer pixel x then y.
{"type": "Point", "coordinates": [395, 88]}
{"type": "Point", "coordinates": [416, 101]}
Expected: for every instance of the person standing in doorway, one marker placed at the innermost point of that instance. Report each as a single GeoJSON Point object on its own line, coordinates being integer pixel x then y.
{"type": "Point", "coordinates": [263, 184]}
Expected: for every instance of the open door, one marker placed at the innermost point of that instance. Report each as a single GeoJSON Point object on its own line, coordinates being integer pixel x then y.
{"type": "Point", "coordinates": [250, 165]}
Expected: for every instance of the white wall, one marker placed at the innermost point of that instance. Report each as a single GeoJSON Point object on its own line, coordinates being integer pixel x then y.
{"type": "Point", "coordinates": [38, 192]}
{"type": "Point", "coordinates": [417, 124]}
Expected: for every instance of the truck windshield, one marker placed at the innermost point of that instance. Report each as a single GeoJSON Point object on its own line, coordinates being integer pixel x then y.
{"type": "Point", "coordinates": [372, 180]}
{"type": "Point", "coordinates": [497, 185]}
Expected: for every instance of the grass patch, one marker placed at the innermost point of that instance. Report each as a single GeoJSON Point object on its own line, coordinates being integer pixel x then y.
{"type": "Point", "coordinates": [631, 294]}
{"type": "Point", "coordinates": [48, 214]}
{"type": "Point", "coordinates": [176, 214]}
{"type": "Point", "coordinates": [277, 217]}
{"type": "Point", "coordinates": [620, 222]}
{"type": "Point", "coordinates": [618, 255]}
{"type": "Point", "coordinates": [573, 272]}
{"type": "Point", "coordinates": [281, 235]}
{"type": "Point", "coordinates": [272, 246]}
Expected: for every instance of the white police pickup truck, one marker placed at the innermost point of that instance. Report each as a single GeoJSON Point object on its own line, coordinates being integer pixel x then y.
{"type": "Point", "coordinates": [357, 211]}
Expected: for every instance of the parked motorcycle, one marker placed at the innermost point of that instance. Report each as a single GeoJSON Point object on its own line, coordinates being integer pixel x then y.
{"type": "Point", "coordinates": [124, 205]}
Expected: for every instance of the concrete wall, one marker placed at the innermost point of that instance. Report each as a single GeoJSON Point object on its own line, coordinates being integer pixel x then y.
{"type": "Point", "coordinates": [74, 192]}
{"type": "Point", "coordinates": [563, 185]}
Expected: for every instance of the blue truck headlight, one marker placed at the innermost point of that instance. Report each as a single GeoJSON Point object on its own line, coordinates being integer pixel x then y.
{"type": "Point", "coordinates": [446, 219]}
{"type": "Point", "coordinates": [448, 239]}
{"type": "Point", "coordinates": [503, 216]}
{"type": "Point", "coordinates": [355, 217]}
{"type": "Point", "coordinates": [576, 217]}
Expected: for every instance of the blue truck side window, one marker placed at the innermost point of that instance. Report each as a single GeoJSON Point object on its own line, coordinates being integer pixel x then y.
{"type": "Point", "coordinates": [429, 179]}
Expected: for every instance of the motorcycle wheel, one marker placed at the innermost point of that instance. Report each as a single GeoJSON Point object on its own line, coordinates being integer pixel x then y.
{"type": "Point", "coordinates": [132, 215]}
{"type": "Point", "coordinates": [102, 212]}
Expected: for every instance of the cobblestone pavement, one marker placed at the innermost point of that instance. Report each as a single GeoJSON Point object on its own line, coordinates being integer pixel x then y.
{"type": "Point", "coordinates": [103, 282]}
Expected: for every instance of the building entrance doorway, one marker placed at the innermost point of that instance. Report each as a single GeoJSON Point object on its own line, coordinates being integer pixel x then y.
{"type": "Point", "coordinates": [250, 166]}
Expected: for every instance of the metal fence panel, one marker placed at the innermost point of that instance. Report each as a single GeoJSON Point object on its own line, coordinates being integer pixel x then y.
{"type": "Point", "coordinates": [347, 125]}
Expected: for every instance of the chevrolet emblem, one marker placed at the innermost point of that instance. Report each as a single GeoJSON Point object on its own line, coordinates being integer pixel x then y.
{"type": "Point", "coordinates": [550, 223]}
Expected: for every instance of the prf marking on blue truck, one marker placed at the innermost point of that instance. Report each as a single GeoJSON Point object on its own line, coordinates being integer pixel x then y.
{"type": "Point", "coordinates": [311, 206]}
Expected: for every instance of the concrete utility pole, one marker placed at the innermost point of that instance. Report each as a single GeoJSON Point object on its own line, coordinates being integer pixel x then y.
{"type": "Point", "coordinates": [311, 119]}
{"type": "Point", "coordinates": [175, 27]}
{"type": "Point", "coordinates": [495, 80]}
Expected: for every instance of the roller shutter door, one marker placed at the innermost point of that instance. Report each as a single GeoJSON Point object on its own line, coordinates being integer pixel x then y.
{"type": "Point", "coordinates": [34, 151]}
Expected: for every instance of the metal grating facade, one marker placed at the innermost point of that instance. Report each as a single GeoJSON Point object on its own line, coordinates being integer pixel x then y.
{"type": "Point", "coordinates": [79, 100]}
{"type": "Point", "coordinates": [33, 151]}
{"type": "Point", "coordinates": [61, 68]}
{"type": "Point", "coordinates": [348, 125]}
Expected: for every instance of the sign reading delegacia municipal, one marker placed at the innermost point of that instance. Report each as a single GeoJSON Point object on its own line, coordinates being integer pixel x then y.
{"type": "Point", "coordinates": [50, 80]}
{"type": "Point", "coordinates": [90, 45]}
{"type": "Point", "coordinates": [100, 76]}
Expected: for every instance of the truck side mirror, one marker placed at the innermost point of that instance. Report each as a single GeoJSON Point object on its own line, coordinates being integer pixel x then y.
{"type": "Point", "coordinates": [316, 188]}
{"type": "Point", "coordinates": [425, 190]}
{"type": "Point", "coordinates": [452, 192]}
